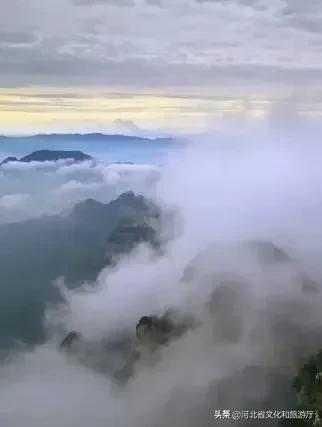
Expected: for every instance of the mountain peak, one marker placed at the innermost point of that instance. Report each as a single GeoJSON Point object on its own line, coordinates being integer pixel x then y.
{"type": "Point", "coordinates": [9, 160]}
{"type": "Point", "coordinates": [51, 155]}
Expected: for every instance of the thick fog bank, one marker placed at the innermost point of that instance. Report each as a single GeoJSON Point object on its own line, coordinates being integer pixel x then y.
{"type": "Point", "coordinates": [33, 189]}
{"type": "Point", "coordinates": [246, 267]}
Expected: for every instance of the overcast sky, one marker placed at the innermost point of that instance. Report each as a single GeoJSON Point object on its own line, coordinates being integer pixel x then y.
{"type": "Point", "coordinates": [190, 58]}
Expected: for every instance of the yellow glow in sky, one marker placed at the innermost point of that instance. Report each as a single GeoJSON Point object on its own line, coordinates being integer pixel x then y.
{"type": "Point", "coordinates": [68, 109]}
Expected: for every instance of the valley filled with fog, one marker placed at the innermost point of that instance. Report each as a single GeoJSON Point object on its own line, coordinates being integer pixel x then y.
{"type": "Point", "coordinates": [151, 292]}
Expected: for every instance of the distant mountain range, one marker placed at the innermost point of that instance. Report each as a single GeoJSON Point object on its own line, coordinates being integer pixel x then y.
{"type": "Point", "coordinates": [114, 147]}
{"type": "Point", "coordinates": [92, 136]}
{"type": "Point", "coordinates": [49, 155]}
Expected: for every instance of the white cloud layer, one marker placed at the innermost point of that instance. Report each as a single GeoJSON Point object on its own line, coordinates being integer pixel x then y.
{"type": "Point", "coordinates": [228, 191]}
{"type": "Point", "coordinates": [33, 189]}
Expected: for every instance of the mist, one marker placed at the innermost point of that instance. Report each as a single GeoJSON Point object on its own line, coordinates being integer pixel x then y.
{"type": "Point", "coordinates": [244, 264]}
{"type": "Point", "coordinates": [23, 195]}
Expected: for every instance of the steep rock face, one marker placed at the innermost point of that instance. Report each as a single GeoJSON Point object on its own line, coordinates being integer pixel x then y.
{"type": "Point", "coordinates": [75, 247]}
{"type": "Point", "coordinates": [271, 330]}
{"type": "Point", "coordinates": [154, 331]}
{"type": "Point", "coordinates": [256, 289]}
{"type": "Point", "coordinates": [307, 387]}
{"type": "Point", "coordinates": [70, 340]}
{"type": "Point", "coordinates": [127, 207]}
{"type": "Point", "coordinates": [120, 356]}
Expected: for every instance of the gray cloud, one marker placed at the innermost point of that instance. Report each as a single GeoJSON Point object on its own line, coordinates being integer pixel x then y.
{"type": "Point", "coordinates": [272, 322]}
{"type": "Point", "coordinates": [106, 2]}
{"type": "Point", "coordinates": [23, 195]}
{"type": "Point", "coordinates": [247, 42]}
{"type": "Point", "coordinates": [16, 38]}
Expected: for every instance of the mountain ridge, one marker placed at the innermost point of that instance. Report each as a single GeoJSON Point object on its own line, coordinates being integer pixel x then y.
{"type": "Point", "coordinates": [49, 155]}
{"type": "Point", "coordinates": [94, 135]}
{"type": "Point", "coordinates": [75, 246]}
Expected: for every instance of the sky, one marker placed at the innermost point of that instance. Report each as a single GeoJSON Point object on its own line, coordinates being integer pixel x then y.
{"type": "Point", "coordinates": [155, 65]}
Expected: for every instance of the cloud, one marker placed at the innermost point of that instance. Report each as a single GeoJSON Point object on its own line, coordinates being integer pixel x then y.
{"type": "Point", "coordinates": [126, 127]}
{"type": "Point", "coordinates": [237, 48]}
{"type": "Point", "coordinates": [62, 185]}
{"type": "Point", "coordinates": [255, 323]}
{"type": "Point", "coordinates": [106, 2]}
{"type": "Point", "coordinates": [181, 42]}
{"type": "Point", "coordinates": [16, 38]}
{"type": "Point", "coordinates": [12, 201]}
{"type": "Point", "coordinates": [233, 197]}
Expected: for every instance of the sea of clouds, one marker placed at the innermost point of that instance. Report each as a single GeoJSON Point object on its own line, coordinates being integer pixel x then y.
{"type": "Point", "coordinates": [245, 348]}
{"type": "Point", "coordinates": [30, 190]}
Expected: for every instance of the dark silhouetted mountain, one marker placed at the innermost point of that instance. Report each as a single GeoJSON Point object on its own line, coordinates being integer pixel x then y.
{"type": "Point", "coordinates": [71, 338]}
{"type": "Point", "coordinates": [125, 235]}
{"type": "Point", "coordinates": [8, 160]}
{"type": "Point", "coordinates": [49, 155]}
{"type": "Point", "coordinates": [36, 252]}
{"type": "Point", "coordinates": [118, 147]}
{"type": "Point", "coordinates": [307, 390]}
{"type": "Point", "coordinates": [118, 355]}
